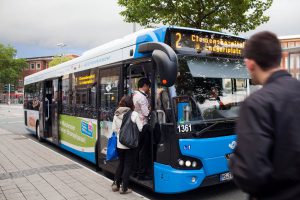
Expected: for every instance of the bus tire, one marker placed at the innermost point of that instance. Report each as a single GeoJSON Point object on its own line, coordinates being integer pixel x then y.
{"type": "Point", "coordinates": [38, 135]}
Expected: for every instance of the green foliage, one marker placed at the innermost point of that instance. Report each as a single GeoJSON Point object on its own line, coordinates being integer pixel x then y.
{"type": "Point", "coordinates": [10, 67]}
{"type": "Point", "coordinates": [231, 15]}
{"type": "Point", "coordinates": [58, 59]}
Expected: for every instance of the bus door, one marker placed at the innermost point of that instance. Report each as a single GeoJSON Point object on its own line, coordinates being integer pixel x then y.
{"type": "Point", "coordinates": [108, 103]}
{"type": "Point", "coordinates": [55, 108]}
{"type": "Point", "coordinates": [134, 72]}
{"type": "Point", "coordinates": [49, 111]}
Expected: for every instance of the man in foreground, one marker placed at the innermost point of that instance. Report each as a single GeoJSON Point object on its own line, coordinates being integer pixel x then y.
{"type": "Point", "coordinates": [266, 163]}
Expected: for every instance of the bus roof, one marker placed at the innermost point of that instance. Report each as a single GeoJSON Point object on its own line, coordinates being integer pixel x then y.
{"type": "Point", "coordinates": [111, 52]}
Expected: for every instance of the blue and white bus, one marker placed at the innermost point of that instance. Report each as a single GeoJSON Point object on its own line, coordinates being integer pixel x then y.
{"type": "Point", "coordinates": [198, 81]}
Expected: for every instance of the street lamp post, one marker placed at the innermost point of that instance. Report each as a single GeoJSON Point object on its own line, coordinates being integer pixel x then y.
{"type": "Point", "coordinates": [8, 94]}
{"type": "Point", "coordinates": [61, 45]}
{"type": "Point", "coordinates": [134, 27]}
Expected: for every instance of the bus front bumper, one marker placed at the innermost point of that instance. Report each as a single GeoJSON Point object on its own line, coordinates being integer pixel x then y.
{"type": "Point", "coordinates": [210, 151]}
{"type": "Point", "coordinates": [169, 180]}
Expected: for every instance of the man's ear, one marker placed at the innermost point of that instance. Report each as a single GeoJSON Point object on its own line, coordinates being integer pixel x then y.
{"type": "Point", "coordinates": [250, 64]}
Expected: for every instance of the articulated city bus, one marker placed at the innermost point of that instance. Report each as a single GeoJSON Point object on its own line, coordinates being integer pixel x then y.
{"type": "Point", "coordinates": [198, 81]}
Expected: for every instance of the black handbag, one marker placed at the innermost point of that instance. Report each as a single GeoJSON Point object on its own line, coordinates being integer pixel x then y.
{"type": "Point", "coordinates": [129, 132]}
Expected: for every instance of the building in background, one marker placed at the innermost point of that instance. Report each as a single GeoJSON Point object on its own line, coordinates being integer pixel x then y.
{"type": "Point", "coordinates": [291, 54]}
{"type": "Point", "coordinates": [34, 64]}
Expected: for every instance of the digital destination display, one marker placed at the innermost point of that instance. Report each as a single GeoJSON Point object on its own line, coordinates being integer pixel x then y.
{"type": "Point", "coordinates": [85, 80]}
{"type": "Point", "coordinates": [208, 43]}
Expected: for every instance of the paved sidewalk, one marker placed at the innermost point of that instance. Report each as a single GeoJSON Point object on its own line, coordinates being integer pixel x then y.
{"type": "Point", "coordinates": [29, 171]}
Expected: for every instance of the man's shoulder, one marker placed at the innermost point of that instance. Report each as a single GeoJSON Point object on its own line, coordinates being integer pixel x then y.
{"type": "Point", "coordinates": [259, 97]}
{"type": "Point", "coordinates": [256, 95]}
{"type": "Point", "coordinates": [139, 95]}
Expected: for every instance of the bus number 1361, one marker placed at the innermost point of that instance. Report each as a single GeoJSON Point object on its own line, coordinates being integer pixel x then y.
{"type": "Point", "coordinates": [184, 128]}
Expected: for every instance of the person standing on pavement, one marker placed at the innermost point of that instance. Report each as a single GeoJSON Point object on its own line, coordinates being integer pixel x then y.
{"type": "Point", "coordinates": [141, 106]}
{"type": "Point", "coordinates": [126, 155]}
{"type": "Point", "coordinates": [266, 161]}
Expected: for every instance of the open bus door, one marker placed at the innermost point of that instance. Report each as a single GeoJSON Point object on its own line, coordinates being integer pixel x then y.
{"type": "Point", "coordinates": [49, 110]}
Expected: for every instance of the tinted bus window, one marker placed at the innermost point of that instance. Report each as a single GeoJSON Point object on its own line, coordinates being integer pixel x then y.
{"type": "Point", "coordinates": [84, 86]}
{"type": "Point", "coordinates": [31, 96]}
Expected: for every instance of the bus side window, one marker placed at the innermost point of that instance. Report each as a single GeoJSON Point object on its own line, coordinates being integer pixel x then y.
{"type": "Point", "coordinates": [31, 96]}
{"type": "Point", "coordinates": [84, 85]}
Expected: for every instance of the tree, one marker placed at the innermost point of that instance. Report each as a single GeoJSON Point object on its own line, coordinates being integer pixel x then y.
{"type": "Point", "coordinates": [231, 15]}
{"type": "Point", "coordinates": [58, 59]}
{"type": "Point", "coordinates": [10, 67]}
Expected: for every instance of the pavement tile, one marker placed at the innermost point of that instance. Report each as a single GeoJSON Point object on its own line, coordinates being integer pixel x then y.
{"type": "Point", "coordinates": [31, 172]}
{"type": "Point", "coordinates": [16, 195]}
{"type": "Point", "coordinates": [11, 191]}
{"type": "Point", "coordinates": [76, 198]}
{"type": "Point", "coordinates": [9, 187]}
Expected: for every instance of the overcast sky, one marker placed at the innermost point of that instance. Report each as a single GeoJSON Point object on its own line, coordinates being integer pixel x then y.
{"type": "Point", "coordinates": [35, 27]}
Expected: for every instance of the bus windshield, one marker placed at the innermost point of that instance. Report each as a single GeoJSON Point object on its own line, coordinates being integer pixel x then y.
{"type": "Point", "coordinates": [216, 85]}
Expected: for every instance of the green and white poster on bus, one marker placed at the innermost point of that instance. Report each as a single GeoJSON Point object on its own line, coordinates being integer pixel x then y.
{"type": "Point", "coordinates": [78, 133]}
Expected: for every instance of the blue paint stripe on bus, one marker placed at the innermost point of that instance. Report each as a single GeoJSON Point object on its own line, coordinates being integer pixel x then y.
{"type": "Point", "coordinates": [157, 35]}
{"type": "Point", "coordinates": [90, 156]}
{"type": "Point", "coordinates": [169, 180]}
{"type": "Point", "coordinates": [211, 152]}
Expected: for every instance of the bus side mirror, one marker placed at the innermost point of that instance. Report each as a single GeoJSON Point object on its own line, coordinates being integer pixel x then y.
{"type": "Point", "coordinates": [165, 59]}
{"type": "Point", "coordinates": [167, 68]}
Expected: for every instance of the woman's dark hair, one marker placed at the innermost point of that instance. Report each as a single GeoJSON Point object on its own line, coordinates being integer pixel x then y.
{"type": "Point", "coordinates": [265, 49]}
{"type": "Point", "coordinates": [126, 101]}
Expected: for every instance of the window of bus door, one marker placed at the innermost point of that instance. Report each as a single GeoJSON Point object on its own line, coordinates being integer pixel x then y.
{"type": "Point", "coordinates": [109, 90]}
{"type": "Point", "coordinates": [66, 95]}
{"type": "Point", "coordinates": [135, 73]}
{"type": "Point", "coordinates": [163, 103]}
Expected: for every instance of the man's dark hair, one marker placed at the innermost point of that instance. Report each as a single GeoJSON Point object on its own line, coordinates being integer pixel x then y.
{"type": "Point", "coordinates": [265, 49]}
{"type": "Point", "coordinates": [143, 81]}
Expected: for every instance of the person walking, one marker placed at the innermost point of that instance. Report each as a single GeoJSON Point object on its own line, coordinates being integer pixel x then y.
{"type": "Point", "coordinates": [266, 161]}
{"type": "Point", "coordinates": [126, 155]}
{"type": "Point", "coordinates": [141, 106]}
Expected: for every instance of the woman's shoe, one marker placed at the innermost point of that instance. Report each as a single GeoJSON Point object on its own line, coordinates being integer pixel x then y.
{"type": "Point", "coordinates": [122, 191]}
{"type": "Point", "coordinates": [114, 187]}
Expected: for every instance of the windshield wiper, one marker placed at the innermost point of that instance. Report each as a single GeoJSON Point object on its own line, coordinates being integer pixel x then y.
{"type": "Point", "coordinates": [211, 126]}
{"type": "Point", "coordinates": [206, 129]}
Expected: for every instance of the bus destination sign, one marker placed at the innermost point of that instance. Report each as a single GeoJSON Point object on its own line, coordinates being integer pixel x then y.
{"type": "Point", "coordinates": [208, 43]}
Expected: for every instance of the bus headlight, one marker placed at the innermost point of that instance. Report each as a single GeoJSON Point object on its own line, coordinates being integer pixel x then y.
{"type": "Point", "coordinates": [188, 163]}
{"type": "Point", "coordinates": [180, 162]}
{"type": "Point", "coordinates": [194, 164]}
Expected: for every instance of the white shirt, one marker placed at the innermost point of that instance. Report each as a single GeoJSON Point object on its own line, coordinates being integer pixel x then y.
{"type": "Point", "coordinates": [141, 105]}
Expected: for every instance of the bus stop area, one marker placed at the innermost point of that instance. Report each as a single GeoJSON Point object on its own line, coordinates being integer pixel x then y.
{"type": "Point", "coordinates": [31, 171]}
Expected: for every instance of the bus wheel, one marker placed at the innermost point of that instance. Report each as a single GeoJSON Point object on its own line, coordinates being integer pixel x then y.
{"type": "Point", "coordinates": [38, 135]}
